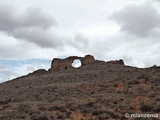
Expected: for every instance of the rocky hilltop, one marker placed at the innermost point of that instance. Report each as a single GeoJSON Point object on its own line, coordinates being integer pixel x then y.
{"type": "Point", "coordinates": [97, 90]}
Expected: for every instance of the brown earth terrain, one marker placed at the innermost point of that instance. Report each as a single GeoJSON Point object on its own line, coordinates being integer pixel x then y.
{"type": "Point", "coordinates": [97, 90]}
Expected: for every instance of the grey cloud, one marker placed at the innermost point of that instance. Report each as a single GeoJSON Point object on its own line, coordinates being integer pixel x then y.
{"type": "Point", "coordinates": [33, 25]}
{"type": "Point", "coordinates": [32, 17]}
{"type": "Point", "coordinates": [38, 36]}
{"type": "Point", "coordinates": [157, 0]}
{"type": "Point", "coordinates": [35, 17]}
{"type": "Point", "coordinates": [80, 42]}
{"type": "Point", "coordinates": [13, 51]}
{"type": "Point", "coordinates": [138, 19]}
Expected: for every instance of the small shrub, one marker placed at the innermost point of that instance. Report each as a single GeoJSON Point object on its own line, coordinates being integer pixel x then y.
{"type": "Point", "coordinates": [90, 104]}
{"type": "Point", "coordinates": [86, 111]}
{"type": "Point", "coordinates": [112, 115]}
{"type": "Point", "coordinates": [158, 99]}
{"type": "Point", "coordinates": [140, 76]}
{"type": "Point", "coordinates": [97, 112]}
{"type": "Point", "coordinates": [103, 116]}
{"type": "Point", "coordinates": [61, 116]}
{"type": "Point", "coordinates": [39, 117]}
{"type": "Point", "coordinates": [152, 96]}
{"type": "Point", "coordinates": [146, 108]}
{"type": "Point", "coordinates": [146, 78]}
{"type": "Point", "coordinates": [68, 114]}
{"type": "Point", "coordinates": [143, 76]}
{"type": "Point", "coordinates": [115, 85]}
{"type": "Point", "coordinates": [157, 109]}
{"type": "Point", "coordinates": [135, 82]}
{"type": "Point", "coordinates": [54, 108]}
{"type": "Point", "coordinates": [42, 108]}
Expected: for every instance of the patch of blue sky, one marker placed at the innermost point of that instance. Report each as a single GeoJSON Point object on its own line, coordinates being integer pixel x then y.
{"type": "Point", "coordinates": [15, 63]}
{"type": "Point", "coordinates": [63, 57]}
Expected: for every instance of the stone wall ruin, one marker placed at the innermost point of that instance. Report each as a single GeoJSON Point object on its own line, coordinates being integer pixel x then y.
{"type": "Point", "coordinates": [58, 64]}
{"type": "Point", "coordinates": [63, 64]}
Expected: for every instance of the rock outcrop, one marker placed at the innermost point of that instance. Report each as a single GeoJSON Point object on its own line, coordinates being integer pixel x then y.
{"type": "Point", "coordinates": [120, 62]}
{"type": "Point", "coordinates": [63, 64]}
{"type": "Point", "coordinates": [39, 72]}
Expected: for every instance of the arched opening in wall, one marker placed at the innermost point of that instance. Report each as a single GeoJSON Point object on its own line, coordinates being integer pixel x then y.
{"type": "Point", "coordinates": [76, 63]}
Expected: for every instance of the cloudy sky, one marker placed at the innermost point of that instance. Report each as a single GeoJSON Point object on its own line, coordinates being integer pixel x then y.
{"type": "Point", "coordinates": [32, 33]}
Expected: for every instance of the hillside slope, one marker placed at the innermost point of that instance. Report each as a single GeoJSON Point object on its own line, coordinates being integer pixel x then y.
{"type": "Point", "coordinates": [96, 91]}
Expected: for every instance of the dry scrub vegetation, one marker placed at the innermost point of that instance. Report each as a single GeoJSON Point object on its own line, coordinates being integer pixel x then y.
{"type": "Point", "coordinates": [97, 91]}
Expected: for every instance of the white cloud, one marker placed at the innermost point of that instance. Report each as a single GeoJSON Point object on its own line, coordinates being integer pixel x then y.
{"type": "Point", "coordinates": [33, 25]}
{"type": "Point", "coordinates": [137, 18]}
